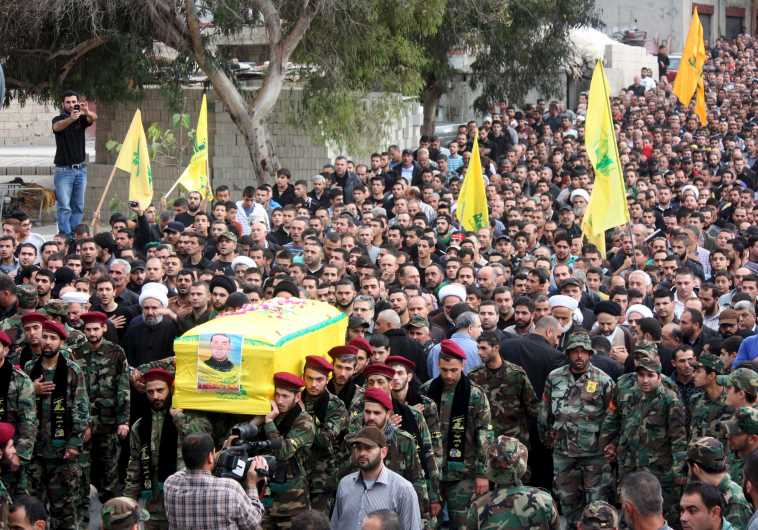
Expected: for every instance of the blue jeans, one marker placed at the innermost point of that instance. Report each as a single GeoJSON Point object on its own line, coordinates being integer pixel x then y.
{"type": "Point", "coordinates": [70, 187]}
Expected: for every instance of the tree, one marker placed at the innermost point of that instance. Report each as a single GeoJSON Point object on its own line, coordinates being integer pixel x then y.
{"type": "Point", "coordinates": [517, 46]}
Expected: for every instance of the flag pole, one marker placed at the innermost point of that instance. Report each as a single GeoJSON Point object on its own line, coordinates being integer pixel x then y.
{"type": "Point", "coordinates": [172, 188]}
{"type": "Point", "coordinates": [96, 213]}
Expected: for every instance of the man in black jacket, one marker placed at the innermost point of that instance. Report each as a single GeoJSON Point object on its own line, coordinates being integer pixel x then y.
{"type": "Point", "coordinates": [388, 322]}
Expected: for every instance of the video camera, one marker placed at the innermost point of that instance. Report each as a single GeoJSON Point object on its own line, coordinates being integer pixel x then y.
{"type": "Point", "coordinates": [234, 462]}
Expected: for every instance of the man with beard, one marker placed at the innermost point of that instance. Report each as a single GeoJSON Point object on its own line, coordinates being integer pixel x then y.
{"type": "Point", "coordinates": [402, 457]}
{"type": "Point", "coordinates": [106, 375]}
{"type": "Point", "coordinates": [154, 442]}
{"type": "Point", "coordinates": [511, 395]}
{"type": "Point", "coordinates": [341, 384]}
{"type": "Point", "coordinates": [120, 314]}
{"type": "Point", "coordinates": [563, 309]}
{"type": "Point", "coordinates": [466, 432]}
{"type": "Point", "coordinates": [31, 347]}
{"type": "Point", "coordinates": [193, 207]}
{"type": "Point", "coordinates": [17, 403]}
{"type": "Point", "coordinates": [523, 310]}
{"type": "Point", "coordinates": [694, 332]}
{"type": "Point", "coordinates": [181, 304]}
{"type": "Point", "coordinates": [289, 424]}
{"type": "Point", "coordinates": [44, 281]}
{"type": "Point", "coordinates": [375, 484]}
{"type": "Point", "coordinates": [220, 287]}
{"type": "Point", "coordinates": [344, 292]}
{"type": "Point", "coordinates": [405, 391]}
{"type": "Point", "coordinates": [330, 418]}
{"type": "Point", "coordinates": [63, 416]}
{"type": "Point", "coordinates": [575, 401]}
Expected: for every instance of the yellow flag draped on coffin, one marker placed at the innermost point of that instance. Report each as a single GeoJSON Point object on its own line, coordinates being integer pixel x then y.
{"type": "Point", "coordinates": [228, 363]}
{"type": "Point", "coordinates": [472, 210]}
{"type": "Point", "coordinates": [607, 207]}
{"type": "Point", "coordinates": [195, 176]}
{"type": "Point", "coordinates": [134, 158]}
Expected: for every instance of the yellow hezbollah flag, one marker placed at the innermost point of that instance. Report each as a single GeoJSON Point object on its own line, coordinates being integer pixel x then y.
{"type": "Point", "coordinates": [700, 109]}
{"type": "Point", "coordinates": [228, 363]}
{"type": "Point", "coordinates": [691, 65]}
{"type": "Point", "coordinates": [195, 176]}
{"type": "Point", "coordinates": [472, 210]}
{"type": "Point", "coordinates": [135, 160]}
{"type": "Point", "coordinates": [607, 207]}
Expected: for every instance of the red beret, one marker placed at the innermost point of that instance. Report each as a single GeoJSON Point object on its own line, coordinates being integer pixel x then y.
{"type": "Point", "coordinates": [55, 327]}
{"type": "Point", "coordinates": [399, 359]}
{"type": "Point", "coordinates": [94, 316]}
{"type": "Point", "coordinates": [34, 316]}
{"type": "Point", "coordinates": [377, 395]}
{"type": "Point", "coordinates": [361, 344]}
{"type": "Point", "coordinates": [7, 430]}
{"type": "Point", "coordinates": [5, 339]}
{"type": "Point", "coordinates": [158, 374]}
{"type": "Point", "coordinates": [318, 363]}
{"type": "Point", "coordinates": [288, 381]}
{"type": "Point", "coordinates": [341, 351]}
{"type": "Point", "coordinates": [381, 369]}
{"type": "Point", "coordinates": [450, 347]}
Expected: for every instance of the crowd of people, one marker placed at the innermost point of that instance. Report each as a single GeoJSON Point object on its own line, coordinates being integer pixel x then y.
{"type": "Point", "coordinates": [505, 378]}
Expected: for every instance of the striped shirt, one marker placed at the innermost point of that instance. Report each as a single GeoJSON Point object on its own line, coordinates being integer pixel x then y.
{"type": "Point", "coordinates": [356, 499]}
{"type": "Point", "coordinates": [196, 500]}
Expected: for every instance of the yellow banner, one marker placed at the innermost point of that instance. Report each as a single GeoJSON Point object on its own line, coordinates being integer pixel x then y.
{"type": "Point", "coordinates": [228, 363]}
{"type": "Point", "coordinates": [472, 210]}
{"type": "Point", "coordinates": [195, 176]}
{"type": "Point", "coordinates": [134, 158]}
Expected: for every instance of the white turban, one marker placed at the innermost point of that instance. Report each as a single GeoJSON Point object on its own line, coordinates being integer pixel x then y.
{"type": "Point", "coordinates": [561, 300]}
{"type": "Point", "coordinates": [639, 308]}
{"type": "Point", "coordinates": [75, 297]}
{"type": "Point", "coordinates": [691, 188]}
{"type": "Point", "coordinates": [244, 260]}
{"type": "Point", "coordinates": [452, 289]}
{"type": "Point", "coordinates": [154, 290]}
{"type": "Point", "coordinates": [580, 193]}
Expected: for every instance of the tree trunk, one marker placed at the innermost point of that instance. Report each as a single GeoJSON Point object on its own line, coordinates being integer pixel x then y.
{"type": "Point", "coordinates": [430, 98]}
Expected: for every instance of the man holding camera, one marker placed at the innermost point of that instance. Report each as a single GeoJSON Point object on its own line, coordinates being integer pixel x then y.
{"type": "Point", "coordinates": [198, 500]}
{"type": "Point", "coordinates": [154, 445]}
{"type": "Point", "coordinates": [70, 166]}
{"type": "Point", "coordinates": [294, 428]}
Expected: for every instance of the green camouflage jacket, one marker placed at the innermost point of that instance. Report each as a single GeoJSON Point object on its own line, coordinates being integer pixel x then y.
{"type": "Point", "coordinates": [322, 462]}
{"type": "Point", "coordinates": [514, 508]}
{"type": "Point", "coordinates": [21, 411]}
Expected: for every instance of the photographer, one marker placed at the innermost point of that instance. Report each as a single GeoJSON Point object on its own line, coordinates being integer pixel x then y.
{"type": "Point", "coordinates": [197, 500]}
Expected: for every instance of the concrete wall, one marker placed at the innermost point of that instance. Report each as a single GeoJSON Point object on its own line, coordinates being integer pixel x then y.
{"type": "Point", "coordinates": [26, 125]}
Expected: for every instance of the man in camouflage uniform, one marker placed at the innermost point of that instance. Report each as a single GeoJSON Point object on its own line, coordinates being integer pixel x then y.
{"type": "Point", "coordinates": [511, 395]}
{"type": "Point", "coordinates": [409, 419]}
{"type": "Point", "coordinates": [289, 423]}
{"type": "Point", "coordinates": [30, 348]}
{"type": "Point", "coordinates": [402, 456]}
{"type": "Point", "coordinates": [742, 430]}
{"type": "Point", "coordinates": [27, 302]}
{"type": "Point", "coordinates": [741, 391]}
{"type": "Point", "coordinates": [63, 415]}
{"type": "Point", "coordinates": [706, 458]}
{"type": "Point", "coordinates": [155, 445]}
{"type": "Point", "coordinates": [708, 408]}
{"type": "Point", "coordinates": [652, 433]}
{"type": "Point", "coordinates": [330, 419]}
{"type": "Point", "coordinates": [106, 373]}
{"type": "Point", "coordinates": [405, 392]}
{"type": "Point", "coordinates": [598, 515]}
{"type": "Point", "coordinates": [573, 406]}
{"type": "Point", "coordinates": [466, 432]}
{"type": "Point", "coordinates": [511, 505]}
{"type": "Point", "coordinates": [17, 407]}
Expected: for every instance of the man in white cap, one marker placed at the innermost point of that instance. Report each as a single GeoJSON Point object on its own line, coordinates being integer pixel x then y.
{"type": "Point", "coordinates": [579, 200]}
{"type": "Point", "coordinates": [449, 296]}
{"type": "Point", "coordinates": [565, 310]}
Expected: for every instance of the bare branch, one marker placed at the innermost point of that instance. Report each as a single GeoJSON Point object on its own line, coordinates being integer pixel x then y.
{"type": "Point", "coordinates": [79, 52]}
{"type": "Point", "coordinates": [271, 20]}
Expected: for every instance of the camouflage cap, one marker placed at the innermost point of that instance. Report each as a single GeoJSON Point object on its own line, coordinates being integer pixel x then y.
{"type": "Point", "coordinates": [708, 452]}
{"type": "Point", "coordinates": [599, 514]}
{"type": "Point", "coordinates": [55, 308]}
{"type": "Point", "coordinates": [709, 362]}
{"type": "Point", "coordinates": [508, 458]}
{"type": "Point", "coordinates": [649, 362]}
{"type": "Point", "coordinates": [744, 421]}
{"type": "Point", "coordinates": [27, 296]}
{"type": "Point", "coordinates": [644, 348]}
{"type": "Point", "coordinates": [741, 379]}
{"type": "Point", "coordinates": [579, 339]}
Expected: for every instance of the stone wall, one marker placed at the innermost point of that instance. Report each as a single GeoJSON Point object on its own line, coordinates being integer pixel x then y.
{"type": "Point", "coordinates": [26, 125]}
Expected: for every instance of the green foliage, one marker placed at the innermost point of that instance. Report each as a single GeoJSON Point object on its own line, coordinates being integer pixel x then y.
{"type": "Point", "coordinates": [167, 147]}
